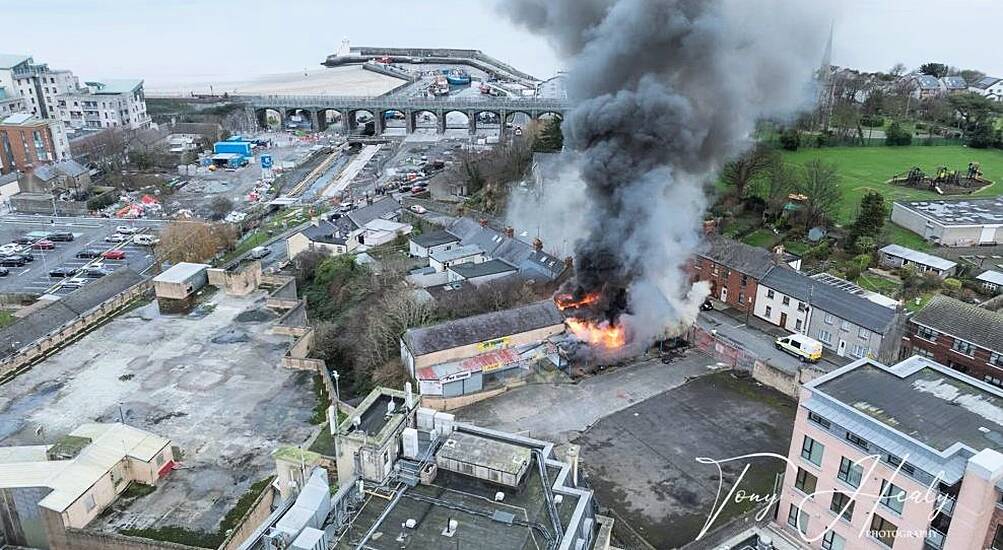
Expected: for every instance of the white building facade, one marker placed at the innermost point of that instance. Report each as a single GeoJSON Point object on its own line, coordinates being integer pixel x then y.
{"type": "Point", "coordinates": [107, 104]}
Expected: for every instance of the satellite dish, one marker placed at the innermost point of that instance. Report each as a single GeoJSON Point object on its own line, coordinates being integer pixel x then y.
{"type": "Point", "coordinates": [816, 234]}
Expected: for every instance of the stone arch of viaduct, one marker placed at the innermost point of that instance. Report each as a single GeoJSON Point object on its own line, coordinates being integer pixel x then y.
{"type": "Point", "coordinates": [316, 112]}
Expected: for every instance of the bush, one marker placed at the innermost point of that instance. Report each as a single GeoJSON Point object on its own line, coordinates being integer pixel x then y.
{"type": "Point", "coordinates": [104, 200]}
{"type": "Point", "coordinates": [790, 139]}
{"type": "Point", "coordinates": [897, 136]}
{"type": "Point", "coordinates": [952, 284]}
{"type": "Point", "coordinates": [865, 245]}
{"type": "Point", "coordinates": [853, 271]}
{"type": "Point", "coordinates": [863, 260]}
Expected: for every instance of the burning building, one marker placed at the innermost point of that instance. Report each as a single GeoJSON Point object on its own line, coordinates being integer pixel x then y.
{"type": "Point", "coordinates": [660, 108]}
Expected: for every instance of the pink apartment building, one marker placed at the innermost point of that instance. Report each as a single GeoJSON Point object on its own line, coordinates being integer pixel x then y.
{"type": "Point", "coordinates": [905, 457]}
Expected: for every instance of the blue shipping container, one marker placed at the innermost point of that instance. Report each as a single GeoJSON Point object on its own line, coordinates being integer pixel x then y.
{"type": "Point", "coordinates": [238, 147]}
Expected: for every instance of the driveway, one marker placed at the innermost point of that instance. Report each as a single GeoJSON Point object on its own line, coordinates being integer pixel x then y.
{"type": "Point", "coordinates": [559, 412]}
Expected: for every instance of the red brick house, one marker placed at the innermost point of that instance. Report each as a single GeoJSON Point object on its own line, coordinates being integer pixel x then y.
{"type": "Point", "coordinates": [733, 270]}
{"type": "Point", "coordinates": [962, 336]}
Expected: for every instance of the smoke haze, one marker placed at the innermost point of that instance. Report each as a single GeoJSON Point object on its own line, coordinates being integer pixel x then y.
{"type": "Point", "coordinates": [666, 92]}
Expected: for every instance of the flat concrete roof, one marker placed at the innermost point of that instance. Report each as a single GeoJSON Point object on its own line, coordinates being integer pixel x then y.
{"type": "Point", "coordinates": [180, 272]}
{"type": "Point", "coordinates": [959, 212]}
{"type": "Point", "coordinates": [924, 400]}
{"type": "Point", "coordinates": [489, 453]}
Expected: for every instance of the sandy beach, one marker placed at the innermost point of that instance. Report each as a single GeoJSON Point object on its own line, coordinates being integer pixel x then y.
{"type": "Point", "coordinates": [347, 80]}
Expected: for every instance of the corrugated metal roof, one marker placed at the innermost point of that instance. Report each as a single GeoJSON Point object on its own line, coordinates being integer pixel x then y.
{"type": "Point", "coordinates": [918, 257]}
{"type": "Point", "coordinates": [994, 277]}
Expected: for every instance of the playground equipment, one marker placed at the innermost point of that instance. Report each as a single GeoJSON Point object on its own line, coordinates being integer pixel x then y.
{"type": "Point", "coordinates": [945, 181]}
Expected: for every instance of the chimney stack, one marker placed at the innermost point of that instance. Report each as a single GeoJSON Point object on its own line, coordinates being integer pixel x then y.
{"type": "Point", "coordinates": [569, 262]}
{"type": "Point", "coordinates": [710, 227]}
{"type": "Point", "coordinates": [537, 245]}
{"type": "Point", "coordinates": [509, 231]}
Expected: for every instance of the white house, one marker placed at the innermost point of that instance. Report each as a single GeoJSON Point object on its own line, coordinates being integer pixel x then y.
{"type": "Point", "coordinates": [426, 244]}
{"type": "Point", "coordinates": [443, 259]}
{"type": "Point", "coordinates": [780, 309]}
{"type": "Point", "coordinates": [990, 87]}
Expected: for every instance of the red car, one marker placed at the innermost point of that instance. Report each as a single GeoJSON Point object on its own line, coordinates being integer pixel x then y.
{"type": "Point", "coordinates": [114, 255]}
{"type": "Point", "coordinates": [43, 245]}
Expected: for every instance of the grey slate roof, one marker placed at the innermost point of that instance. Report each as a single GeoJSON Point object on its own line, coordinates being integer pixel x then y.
{"type": "Point", "coordinates": [750, 260]}
{"type": "Point", "coordinates": [480, 328]}
{"type": "Point", "coordinates": [850, 307]}
{"type": "Point", "coordinates": [511, 249]}
{"type": "Point", "coordinates": [69, 168]}
{"type": "Point", "coordinates": [45, 320]}
{"type": "Point", "coordinates": [974, 324]}
{"type": "Point", "coordinates": [385, 209]}
{"type": "Point", "coordinates": [328, 232]}
{"type": "Point", "coordinates": [434, 238]}
{"type": "Point", "coordinates": [483, 269]}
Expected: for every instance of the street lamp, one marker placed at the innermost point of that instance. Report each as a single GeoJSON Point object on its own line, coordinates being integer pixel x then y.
{"type": "Point", "coordinates": [337, 407]}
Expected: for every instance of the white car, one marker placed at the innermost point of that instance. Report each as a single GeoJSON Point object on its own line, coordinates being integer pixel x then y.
{"type": "Point", "coordinates": [126, 230]}
{"type": "Point", "coordinates": [11, 248]}
{"type": "Point", "coordinates": [235, 217]}
{"type": "Point", "coordinates": [76, 282]}
{"type": "Point", "coordinates": [418, 209]}
{"type": "Point", "coordinates": [116, 238]}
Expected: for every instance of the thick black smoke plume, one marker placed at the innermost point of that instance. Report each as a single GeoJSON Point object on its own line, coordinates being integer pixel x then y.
{"type": "Point", "coordinates": [666, 92]}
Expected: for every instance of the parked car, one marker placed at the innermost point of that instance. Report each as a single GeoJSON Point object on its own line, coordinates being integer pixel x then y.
{"type": "Point", "coordinates": [113, 255]}
{"type": "Point", "coordinates": [62, 236]}
{"type": "Point", "coordinates": [4, 272]}
{"type": "Point", "coordinates": [94, 272]}
{"type": "Point", "coordinates": [76, 282]}
{"type": "Point", "coordinates": [126, 230]}
{"type": "Point", "coordinates": [89, 253]}
{"type": "Point", "coordinates": [418, 209]}
{"type": "Point", "coordinates": [62, 272]}
{"type": "Point", "coordinates": [12, 261]}
{"type": "Point", "coordinates": [43, 245]}
{"type": "Point", "coordinates": [116, 238]}
{"type": "Point", "coordinates": [25, 256]}
{"type": "Point", "coordinates": [23, 240]}
{"type": "Point", "coordinates": [145, 239]}
{"type": "Point", "coordinates": [800, 346]}
{"type": "Point", "coordinates": [11, 248]}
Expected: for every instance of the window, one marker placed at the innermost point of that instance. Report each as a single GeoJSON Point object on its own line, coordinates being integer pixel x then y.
{"type": "Point", "coordinates": [996, 360]}
{"type": "Point", "coordinates": [845, 325]}
{"type": "Point", "coordinates": [893, 460]}
{"type": "Point", "coordinates": [864, 333]}
{"type": "Point", "coordinates": [818, 419]}
{"type": "Point", "coordinates": [741, 297]}
{"type": "Point", "coordinates": [798, 519]}
{"type": "Point", "coordinates": [842, 505]}
{"type": "Point", "coordinates": [89, 503]}
{"type": "Point", "coordinates": [883, 530]}
{"type": "Point", "coordinates": [769, 311]}
{"type": "Point", "coordinates": [797, 325]}
{"type": "Point", "coordinates": [892, 497]}
{"type": "Point", "coordinates": [832, 541]}
{"type": "Point", "coordinates": [849, 472]}
{"type": "Point", "coordinates": [993, 380]}
{"type": "Point", "coordinates": [745, 279]}
{"type": "Point", "coordinates": [858, 351]}
{"type": "Point", "coordinates": [802, 307]}
{"type": "Point", "coordinates": [770, 294]}
{"type": "Point", "coordinates": [787, 300]}
{"type": "Point", "coordinates": [825, 337]}
{"type": "Point", "coordinates": [812, 450]}
{"type": "Point", "coordinates": [962, 346]}
{"type": "Point", "coordinates": [829, 319]}
{"type": "Point", "coordinates": [805, 482]}
{"type": "Point", "coordinates": [856, 440]}
{"type": "Point", "coordinates": [998, 538]}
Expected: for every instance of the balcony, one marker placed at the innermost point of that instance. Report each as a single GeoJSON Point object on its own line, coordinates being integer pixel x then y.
{"type": "Point", "coordinates": [934, 539]}
{"type": "Point", "coordinates": [945, 503]}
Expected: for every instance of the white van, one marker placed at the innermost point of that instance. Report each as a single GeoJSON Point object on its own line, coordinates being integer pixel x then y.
{"type": "Point", "coordinates": [800, 346]}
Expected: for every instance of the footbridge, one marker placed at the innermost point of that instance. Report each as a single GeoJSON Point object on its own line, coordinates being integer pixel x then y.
{"type": "Point", "coordinates": [316, 109]}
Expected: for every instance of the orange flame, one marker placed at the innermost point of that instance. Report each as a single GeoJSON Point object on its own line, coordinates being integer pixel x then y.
{"type": "Point", "coordinates": [598, 334]}
{"type": "Point", "coordinates": [568, 301]}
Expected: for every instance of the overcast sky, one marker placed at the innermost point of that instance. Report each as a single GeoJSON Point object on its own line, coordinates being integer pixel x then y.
{"type": "Point", "coordinates": [179, 40]}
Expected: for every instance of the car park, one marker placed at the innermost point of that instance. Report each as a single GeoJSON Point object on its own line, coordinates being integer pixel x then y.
{"type": "Point", "coordinates": [145, 239]}
{"type": "Point", "coordinates": [76, 282]}
{"type": "Point", "coordinates": [62, 236]}
{"type": "Point", "coordinates": [28, 258]}
{"type": "Point", "coordinates": [43, 244]}
{"type": "Point", "coordinates": [23, 240]}
{"type": "Point", "coordinates": [89, 253]}
{"type": "Point", "coordinates": [10, 248]}
{"type": "Point", "coordinates": [116, 238]}
{"type": "Point", "coordinates": [62, 272]}
{"type": "Point", "coordinates": [113, 255]}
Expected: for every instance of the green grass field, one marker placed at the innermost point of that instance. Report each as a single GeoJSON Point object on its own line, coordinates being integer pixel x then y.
{"type": "Point", "coordinates": [868, 168]}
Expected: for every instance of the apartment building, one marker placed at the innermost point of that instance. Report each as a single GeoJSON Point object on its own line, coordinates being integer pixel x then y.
{"type": "Point", "coordinates": [905, 457]}
{"type": "Point", "coordinates": [105, 104]}
{"type": "Point", "coordinates": [28, 142]}
{"type": "Point", "coordinates": [962, 336]}
{"type": "Point", "coordinates": [38, 86]}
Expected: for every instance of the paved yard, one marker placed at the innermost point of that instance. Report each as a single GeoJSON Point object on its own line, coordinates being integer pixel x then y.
{"type": "Point", "coordinates": [642, 463]}
{"type": "Point", "coordinates": [557, 412]}
{"type": "Point", "coordinates": [214, 386]}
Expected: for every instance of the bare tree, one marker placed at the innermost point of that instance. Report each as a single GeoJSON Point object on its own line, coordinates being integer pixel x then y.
{"type": "Point", "coordinates": [194, 241]}
{"type": "Point", "coordinates": [740, 172]}
{"type": "Point", "coordinates": [820, 186]}
{"type": "Point", "coordinates": [898, 70]}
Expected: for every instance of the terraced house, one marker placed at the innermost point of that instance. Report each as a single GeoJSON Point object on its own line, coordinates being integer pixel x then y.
{"type": "Point", "coordinates": [962, 336]}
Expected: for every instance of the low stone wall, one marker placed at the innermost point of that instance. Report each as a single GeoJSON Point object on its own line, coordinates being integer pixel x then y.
{"type": "Point", "coordinates": [79, 539]}
{"type": "Point", "coordinates": [57, 338]}
{"type": "Point", "coordinates": [450, 403]}
{"type": "Point", "coordinates": [257, 514]}
{"type": "Point", "coordinates": [240, 281]}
